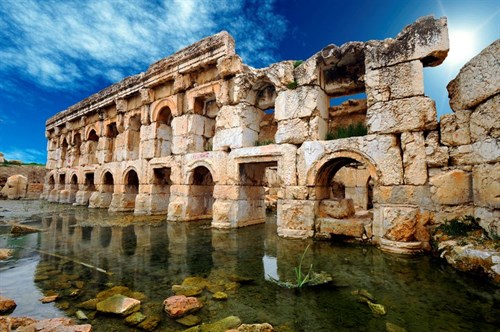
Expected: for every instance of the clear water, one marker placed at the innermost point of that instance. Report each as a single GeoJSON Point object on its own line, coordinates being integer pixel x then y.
{"type": "Point", "coordinates": [150, 255]}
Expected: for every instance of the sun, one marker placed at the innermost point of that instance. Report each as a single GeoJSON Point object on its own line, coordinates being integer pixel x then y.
{"type": "Point", "coordinates": [462, 46]}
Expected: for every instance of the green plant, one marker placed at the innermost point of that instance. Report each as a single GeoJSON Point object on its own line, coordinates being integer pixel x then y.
{"type": "Point", "coordinates": [310, 279]}
{"type": "Point", "coordinates": [460, 226]}
{"type": "Point", "coordinates": [264, 142]}
{"type": "Point", "coordinates": [352, 130]}
{"type": "Point", "coordinates": [292, 85]}
{"type": "Point", "coordinates": [301, 279]}
{"type": "Point", "coordinates": [297, 63]}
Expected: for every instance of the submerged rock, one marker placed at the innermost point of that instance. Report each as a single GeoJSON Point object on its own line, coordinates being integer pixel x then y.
{"type": "Point", "coordinates": [363, 295]}
{"type": "Point", "coordinates": [18, 229]}
{"type": "Point", "coordinates": [5, 253]}
{"type": "Point", "coordinates": [222, 325]}
{"type": "Point", "coordinates": [220, 296]}
{"type": "Point", "coordinates": [119, 304]}
{"type": "Point", "coordinates": [150, 323]}
{"type": "Point", "coordinates": [390, 327]}
{"type": "Point", "coordinates": [181, 305]}
{"type": "Point", "coordinates": [377, 309]}
{"type": "Point", "coordinates": [265, 327]}
{"type": "Point", "coordinates": [7, 305]}
{"type": "Point", "coordinates": [44, 325]}
{"type": "Point", "coordinates": [187, 290]}
{"type": "Point", "coordinates": [89, 304]}
{"type": "Point", "coordinates": [189, 320]}
{"type": "Point", "coordinates": [135, 319]}
{"type": "Point", "coordinates": [49, 299]}
{"type": "Point", "coordinates": [81, 315]}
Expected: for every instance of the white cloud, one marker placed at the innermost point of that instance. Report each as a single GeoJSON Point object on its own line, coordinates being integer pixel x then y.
{"type": "Point", "coordinates": [25, 155]}
{"type": "Point", "coordinates": [68, 44]}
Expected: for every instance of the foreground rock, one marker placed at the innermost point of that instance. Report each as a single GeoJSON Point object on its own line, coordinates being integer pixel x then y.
{"type": "Point", "coordinates": [222, 325]}
{"type": "Point", "coordinates": [119, 304]}
{"type": "Point", "coordinates": [181, 305]}
{"type": "Point", "coordinates": [6, 305]}
{"type": "Point", "coordinates": [5, 253]}
{"type": "Point", "coordinates": [15, 187]}
{"type": "Point", "coordinates": [25, 324]}
{"type": "Point", "coordinates": [18, 229]}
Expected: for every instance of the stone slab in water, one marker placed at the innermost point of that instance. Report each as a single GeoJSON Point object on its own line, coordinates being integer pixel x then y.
{"type": "Point", "coordinates": [119, 304]}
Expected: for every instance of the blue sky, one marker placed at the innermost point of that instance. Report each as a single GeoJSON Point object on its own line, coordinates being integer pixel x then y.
{"type": "Point", "coordinates": [55, 53]}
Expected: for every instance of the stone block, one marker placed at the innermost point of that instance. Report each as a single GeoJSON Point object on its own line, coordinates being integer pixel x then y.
{"type": "Point", "coordinates": [296, 193]}
{"type": "Point", "coordinates": [15, 187]}
{"type": "Point", "coordinates": [346, 227]}
{"type": "Point", "coordinates": [234, 138]}
{"type": "Point", "coordinates": [436, 154]}
{"type": "Point", "coordinates": [187, 144]}
{"type": "Point", "coordinates": [180, 125]}
{"type": "Point", "coordinates": [452, 187]}
{"type": "Point", "coordinates": [400, 81]}
{"type": "Point", "coordinates": [404, 194]}
{"type": "Point", "coordinates": [294, 131]}
{"type": "Point", "coordinates": [196, 124]}
{"type": "Point", "coordinates": [489, 219]}
{"type": "Point", "coordinates": [485, 120]}
{"type": "Point", "coordinates": [308, 71]}
{"type": "Point", "coordinates": [485, 151]}
{"type": "Point", "coordinates": [302, 102]}
{"type": "Point", "coordinates": [477, 81]}
{"type": "Point", "coordinates": [414, 161]}
{"type": "Point", "coordinates": [230, 65]}
{"type": "Point", "coordinates": [400, 222]}
{"type": "Point", "coordinates": [318, 128]}
{"type": "Point", "coordinates": [295, 218]}
{"type": "Point", "coordinates": [425, 40]}
{"type": "Point", "coordinates": [147, 149]}
{"type": "Point", "coordinates": [452, 212]}
{"type": "Point", "coordinates": [163, 131]}
{"type": "Point", "coordinates": [397, 116]}
{"type": "Point", "coordinates": [454, 128]}
{"type": "Point", "coordinates": [147, 132]}
{"type": "Point", "coordinates": [486, 185]}
{"type": "Point", "coordinates": [242, 116]}
{"type": "Point", "coordinates": [338, 209]}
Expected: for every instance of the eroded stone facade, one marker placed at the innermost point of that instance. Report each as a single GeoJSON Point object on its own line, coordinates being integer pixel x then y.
{"type": "Point", "coordinates": [202, 135]}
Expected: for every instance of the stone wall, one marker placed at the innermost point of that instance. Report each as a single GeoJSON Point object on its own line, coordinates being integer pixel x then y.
{"type": "Point", "coordinates": [195, 135]}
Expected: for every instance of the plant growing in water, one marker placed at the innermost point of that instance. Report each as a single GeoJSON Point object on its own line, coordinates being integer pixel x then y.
{"type": "Point", "coordinates": [310, 279]}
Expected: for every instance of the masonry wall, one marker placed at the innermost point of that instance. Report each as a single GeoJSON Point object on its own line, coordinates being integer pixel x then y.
{"type": "Point", "coordinates": [195, 135]}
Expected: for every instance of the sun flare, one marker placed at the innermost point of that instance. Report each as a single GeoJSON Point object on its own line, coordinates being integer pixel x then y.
{"type": "Point", "coordinates": [462, 46]}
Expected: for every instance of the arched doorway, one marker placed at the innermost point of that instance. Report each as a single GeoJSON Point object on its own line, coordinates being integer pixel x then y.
{"type": "Point", "coordinates": [344, 191]}
{"type": "Point", "coordinates": [201, 188]}
{"type": "Point", "coordinates": [131, 189]}
{"type": "Point", "coordinates": [163, 134]}
{"type": "Point", "coordinates": [92, 141]}
{"type": "Point", "coordinates": [73, 188]}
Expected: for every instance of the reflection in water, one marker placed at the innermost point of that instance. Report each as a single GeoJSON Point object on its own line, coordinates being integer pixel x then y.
{"type": "Point", "coordinates": [86, 251]}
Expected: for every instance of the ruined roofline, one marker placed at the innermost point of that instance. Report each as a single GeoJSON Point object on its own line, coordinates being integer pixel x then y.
{"type": "Point", "coordinates": [207, 50]}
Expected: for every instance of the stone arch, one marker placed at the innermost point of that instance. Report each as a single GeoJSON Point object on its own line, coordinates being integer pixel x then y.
{"type": "Point", "coordinates": [189, 176]}
{"type": "Point", "coordinates": [64, 150]}
{"type": "Point", "coordinates": [91, 141]}
{"type": "Point", "coordinates": [107, 182]}
{"type": "Point", "coordinates": [162, 123]}
{"type": "Point", "coordinates": [73, 181]}
{"type": "Point", "coordinates": [91, 133]}
{"type": "Point", "coordinates": [161, 104]}
{"type": "Point", "coordinates": [201, 189]}
{"type": "Point", "coordinates": [131, 181]}
{"type": "Point", "coordinates": [357, 155]}
{"type": "Point", "coordinates": [341, 180]}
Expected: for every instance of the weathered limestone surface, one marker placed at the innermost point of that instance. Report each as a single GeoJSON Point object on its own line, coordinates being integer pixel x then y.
{"type": "Point", "coordinates": [477, 81]}
{"type": "Point", "coordinates": [201, 135]}
{"type": "Point", "coordinates": [15, 187]}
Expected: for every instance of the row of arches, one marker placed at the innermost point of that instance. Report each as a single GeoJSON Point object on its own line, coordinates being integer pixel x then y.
{"type": "Point", "coordinates": [342, 182]}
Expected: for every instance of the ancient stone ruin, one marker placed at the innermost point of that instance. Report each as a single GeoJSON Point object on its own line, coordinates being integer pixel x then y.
{"type": "Point", "coordinates": [201, 135]}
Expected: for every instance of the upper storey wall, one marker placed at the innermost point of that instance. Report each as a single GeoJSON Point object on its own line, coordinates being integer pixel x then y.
{"type": "Point", "coordinates": [202, 53]}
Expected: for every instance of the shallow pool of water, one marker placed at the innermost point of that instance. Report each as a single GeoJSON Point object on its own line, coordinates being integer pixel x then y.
{"type": "Point", "coordinates": [83, 251]}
